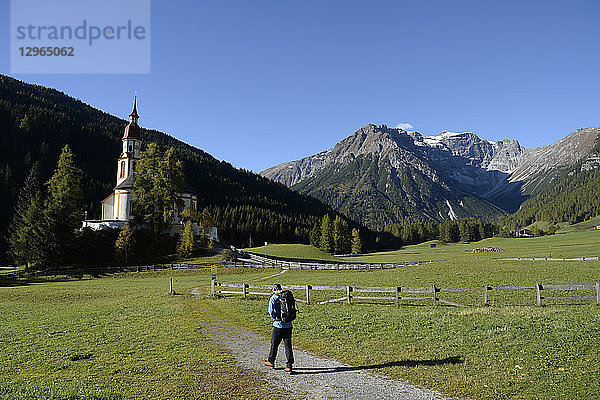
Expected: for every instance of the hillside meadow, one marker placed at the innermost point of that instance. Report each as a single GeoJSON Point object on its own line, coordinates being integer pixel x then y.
{"type": "Point", "coordinates": [124, 337]}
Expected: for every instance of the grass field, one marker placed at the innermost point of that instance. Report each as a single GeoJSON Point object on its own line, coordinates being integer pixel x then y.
{"type": "Point", "coordinates": [124, 337]}
{"type": "Point", "coordinates": [576, 244]}
{"type": "Point", "coordinates": [118, 337]}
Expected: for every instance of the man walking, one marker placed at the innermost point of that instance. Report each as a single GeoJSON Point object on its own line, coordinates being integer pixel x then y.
{"type": "Point", "coordinates": [281, 331]}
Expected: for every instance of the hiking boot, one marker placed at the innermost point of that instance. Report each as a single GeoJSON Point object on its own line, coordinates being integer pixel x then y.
{"type": "Point", "coordinates": [269, 364]}
{"type": "Point", "coordinates": [288, 370]}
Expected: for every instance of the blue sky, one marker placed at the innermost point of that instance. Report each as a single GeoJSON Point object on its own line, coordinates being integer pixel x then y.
{"type": "Point", "coordinates": [258, 82]}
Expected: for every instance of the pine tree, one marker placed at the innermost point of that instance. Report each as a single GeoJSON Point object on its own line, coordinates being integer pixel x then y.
{"type": "Point", "coordinates": [63, 208]}
{"type": "Point", "coordinates": [315, 235]}
{"type": "Point", "coordinates": [124, 243]}
{"type": "Point", "coordinates": [186, 240]}
{"type": "Point", "coordinates": [326, 242]}
{"type": "Point", "coordinates": [356, 243]}
{"type": "Point", "coordinates": [340, 235]}
{"type": "Point", "coordinates": [28, 222]}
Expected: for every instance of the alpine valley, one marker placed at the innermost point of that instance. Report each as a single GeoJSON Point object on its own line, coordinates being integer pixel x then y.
{"type": "Point", "coordinates": [381, 175]}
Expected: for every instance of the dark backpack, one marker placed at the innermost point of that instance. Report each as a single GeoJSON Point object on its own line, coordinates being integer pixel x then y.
{"type": "Point", "coordinates": [288, 306]}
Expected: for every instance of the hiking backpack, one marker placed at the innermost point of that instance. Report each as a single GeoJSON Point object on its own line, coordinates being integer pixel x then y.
{"type": "Point", "coordinates": [288, 306]}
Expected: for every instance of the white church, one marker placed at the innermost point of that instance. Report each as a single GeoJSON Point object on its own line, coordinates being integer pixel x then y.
{"type": "Point", "coordinates": [117, 207]}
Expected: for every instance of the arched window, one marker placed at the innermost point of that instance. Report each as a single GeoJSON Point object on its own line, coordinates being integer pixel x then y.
{"type": "Point", "coordinates": [130, 147]}
{"type": "Point", "coordinates": [122, 169]}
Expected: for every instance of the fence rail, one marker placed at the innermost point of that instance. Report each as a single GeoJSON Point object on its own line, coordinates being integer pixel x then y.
{"type": "Point", "coordinates": [268, 262]}
{"type": "Point", "coordinates": [119, 269]}
{"type": "Point", "coordinates": [426, 293]}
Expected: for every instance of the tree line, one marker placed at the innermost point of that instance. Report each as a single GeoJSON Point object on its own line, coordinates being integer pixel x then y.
{"type": "Point", "coordinates": [45, 230]}
{"type": "Point", "coordinates": [333, 235]}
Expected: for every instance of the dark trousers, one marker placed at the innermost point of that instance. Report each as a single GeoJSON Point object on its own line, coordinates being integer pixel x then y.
{"type": "Point", "coordinates": [280, 334]}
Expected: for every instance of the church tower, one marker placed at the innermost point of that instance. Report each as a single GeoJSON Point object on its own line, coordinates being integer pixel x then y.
{"type": "Point", "coordinates": [132, 143]}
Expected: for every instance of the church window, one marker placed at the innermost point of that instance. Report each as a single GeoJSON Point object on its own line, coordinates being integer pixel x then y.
{"type": "Point", "coordinates": [122, 169]}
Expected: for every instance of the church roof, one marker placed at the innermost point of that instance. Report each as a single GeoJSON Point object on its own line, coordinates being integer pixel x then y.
{"type": "Point", "coordinates": [132, 131]}
{"type": "Point", "coordinates": [126, 184]}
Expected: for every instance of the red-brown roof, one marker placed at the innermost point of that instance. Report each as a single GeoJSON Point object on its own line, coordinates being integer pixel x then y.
{"type": "Point", "coordinates": [132, 131]}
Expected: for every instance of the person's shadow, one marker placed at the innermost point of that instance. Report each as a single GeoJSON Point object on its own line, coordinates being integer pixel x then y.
{"type": "Point", "coordinates": [403, 363]}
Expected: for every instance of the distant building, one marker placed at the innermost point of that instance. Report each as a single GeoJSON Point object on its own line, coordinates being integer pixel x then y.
{"type": "Point", "coordinates": [117, 207]}
{"type": "Point", "coordinates": [523, 232]}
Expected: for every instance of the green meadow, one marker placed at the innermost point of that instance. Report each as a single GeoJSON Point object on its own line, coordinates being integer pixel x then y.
{"type": "Point", "coordinates": [124, 337]}
{"type": "Point", "coordinates": [116, 337]}
{"type": "Point", "coordinates": [578, 243]}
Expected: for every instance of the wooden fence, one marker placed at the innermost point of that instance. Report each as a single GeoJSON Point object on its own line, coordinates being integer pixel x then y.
{"type": "Point", "coordinates": [266, 262]}
{"type": "Point", "coordinates": [397, 293]}
{"type": "Point", "coordinates": [103, 270]}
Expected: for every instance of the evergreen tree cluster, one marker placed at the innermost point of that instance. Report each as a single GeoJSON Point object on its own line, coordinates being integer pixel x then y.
{"type": "Point", "coordinates": [449, 231]}
{"type": "Point", "coordinates": [44, 222]}
{"type": "Point", "coordinates": [335, 236]}
{"type": "Point", "coordinates": [573, 197]}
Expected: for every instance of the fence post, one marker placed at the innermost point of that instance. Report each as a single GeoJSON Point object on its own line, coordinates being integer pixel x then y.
{"type": "Point", "coordinates": [212, 287]}
{"type": "Point", "coordinates": [539, 294]}
{"type": "Point", "coordinates": [348, 290]}
{"type": "Point", "coordinates": [244, 286]}
{"type": "Point", "coordinates": [598, 293]}
{"type": "Point", "coordinates": [171, 286]}
{"type": "Point", "coordinates": [307, 294]}
{"type": "Point", "coordinates": [433, 289]}
{"type": "Point", "coordinates": [397, 294]}
{"type": "Point", "coordinates": [485, 297]}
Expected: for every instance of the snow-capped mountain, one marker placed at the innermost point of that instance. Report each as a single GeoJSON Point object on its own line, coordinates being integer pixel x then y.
{"type": "Point", "coordinates": [384, 175]}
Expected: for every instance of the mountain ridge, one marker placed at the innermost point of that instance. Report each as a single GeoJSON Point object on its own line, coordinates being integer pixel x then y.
{"type": "Point", "coordinates": [454, 167]}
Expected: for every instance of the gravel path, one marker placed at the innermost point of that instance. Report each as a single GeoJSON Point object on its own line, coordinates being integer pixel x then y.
{"type": "Point", "coordinates": [314, 377]}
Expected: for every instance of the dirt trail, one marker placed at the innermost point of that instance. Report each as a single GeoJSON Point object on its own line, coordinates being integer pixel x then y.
{"type": "Point", "coordinates": [314, 377]}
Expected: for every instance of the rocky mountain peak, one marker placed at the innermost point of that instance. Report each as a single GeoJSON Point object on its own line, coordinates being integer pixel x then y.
{"type": "Point", "coordinates": [430, 175]}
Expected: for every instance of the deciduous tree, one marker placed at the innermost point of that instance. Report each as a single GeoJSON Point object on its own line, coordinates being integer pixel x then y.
{"type": "Point", "coordinates": [186, 240]}
{"type": "Point", "coordinates": [124, 243]}
{"type": "Point", "coordinates": [157, 180]}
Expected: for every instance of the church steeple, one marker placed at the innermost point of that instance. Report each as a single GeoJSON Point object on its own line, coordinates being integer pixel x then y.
{"type": "Point", "coordinates": [132, 130]}
{"type": "Point", "coordinates": [132, 143]}
{"type": "Point", "coordinates": [133, 117]}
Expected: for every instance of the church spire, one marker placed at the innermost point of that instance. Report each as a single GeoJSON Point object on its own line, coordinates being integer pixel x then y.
{"type": "Point", "coordinates": [133, 117]}
{"type": "Point", "coordinates": [132, 130]}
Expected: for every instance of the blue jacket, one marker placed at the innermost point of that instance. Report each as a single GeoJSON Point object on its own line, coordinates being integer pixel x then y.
{"type": "Point", "coordinates": [275, 312]}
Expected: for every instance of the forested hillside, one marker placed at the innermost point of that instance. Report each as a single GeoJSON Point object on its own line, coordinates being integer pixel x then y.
{"type": "Point", "coordinates": [36, 122]}
{"type": "Point", "coordinates": [572, 197]}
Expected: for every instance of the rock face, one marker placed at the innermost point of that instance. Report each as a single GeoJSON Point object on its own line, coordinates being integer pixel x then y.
{"type": "Point", "coordinates": [385, 175]}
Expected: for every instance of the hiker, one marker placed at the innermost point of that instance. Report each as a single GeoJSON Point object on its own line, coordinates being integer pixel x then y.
{"type": "Point", "coordinates": [281, 330]}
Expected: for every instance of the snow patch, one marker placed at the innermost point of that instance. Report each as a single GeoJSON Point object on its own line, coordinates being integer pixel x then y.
{"type": "Point", "coordinates": [451, 212]}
